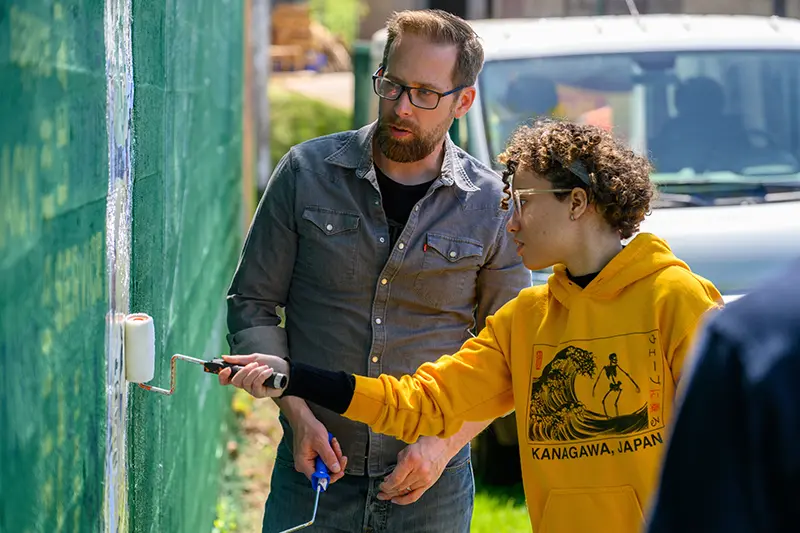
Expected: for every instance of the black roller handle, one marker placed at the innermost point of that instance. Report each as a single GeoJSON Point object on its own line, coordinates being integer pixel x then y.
{"type": "Point", "coordinates": [275, 381]}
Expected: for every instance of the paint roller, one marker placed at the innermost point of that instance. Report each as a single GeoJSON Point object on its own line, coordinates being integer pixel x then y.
{"type": "Point", "coordinates": [140, 357]}
{"type": "Point", "coordinates": [140, 362]}
{"type": "Point", "coordinates": [140, 351]}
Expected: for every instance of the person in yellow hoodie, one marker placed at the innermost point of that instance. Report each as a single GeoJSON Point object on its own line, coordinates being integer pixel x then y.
{"type": "Point", "coordinates": [589, 361]}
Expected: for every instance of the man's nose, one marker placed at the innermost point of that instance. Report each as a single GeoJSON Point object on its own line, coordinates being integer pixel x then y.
{"type": "Point", "coordinates": [402, 106]}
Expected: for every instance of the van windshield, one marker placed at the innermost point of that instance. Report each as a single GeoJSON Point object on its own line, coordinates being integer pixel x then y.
{"type": "Point", "coordinates": [707, 117]}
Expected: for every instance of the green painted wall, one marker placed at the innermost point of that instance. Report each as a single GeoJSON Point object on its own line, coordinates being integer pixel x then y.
{"type": "Point", "coordinates": [53, 298]}
{"type": "Point", "coordinates": [53, 182]}
{"type": "Point", "coordinates": [186, 240]}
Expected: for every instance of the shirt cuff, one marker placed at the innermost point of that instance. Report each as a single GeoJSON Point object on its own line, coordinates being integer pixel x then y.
{"type": "Point", "coordinates": [259, 339]}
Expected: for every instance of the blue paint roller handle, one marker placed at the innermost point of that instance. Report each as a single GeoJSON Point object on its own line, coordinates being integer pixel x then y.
{"type": "Point", "coordinates": [320, 478]}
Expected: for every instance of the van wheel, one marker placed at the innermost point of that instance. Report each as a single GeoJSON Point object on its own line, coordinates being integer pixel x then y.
{"type": "Point", "coordinates": [493, 463]}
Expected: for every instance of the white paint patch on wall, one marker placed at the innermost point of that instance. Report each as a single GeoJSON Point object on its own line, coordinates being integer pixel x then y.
{"type": "Point", "coordinates": [119, 105]}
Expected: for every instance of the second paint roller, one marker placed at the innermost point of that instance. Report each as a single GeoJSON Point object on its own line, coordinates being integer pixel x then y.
{"type": "Point", "coordinates": [140, 357]}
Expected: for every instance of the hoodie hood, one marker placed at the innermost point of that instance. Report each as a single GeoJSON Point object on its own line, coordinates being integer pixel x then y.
{"type": "Point", "coordinates": [643, 256]}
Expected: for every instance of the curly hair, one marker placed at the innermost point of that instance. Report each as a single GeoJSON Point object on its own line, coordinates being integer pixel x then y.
{"type": "Point", "coordinates": [568, 155]}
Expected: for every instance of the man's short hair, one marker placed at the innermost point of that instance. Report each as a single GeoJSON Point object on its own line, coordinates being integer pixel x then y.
{"type": "Point", "coordinates": [440, 27]}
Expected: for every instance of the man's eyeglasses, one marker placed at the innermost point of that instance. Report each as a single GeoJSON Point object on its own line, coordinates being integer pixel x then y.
{"type": "Point", "coordinates": [418, 96]}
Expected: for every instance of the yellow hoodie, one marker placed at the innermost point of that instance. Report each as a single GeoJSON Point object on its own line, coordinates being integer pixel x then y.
{"type": "Point", "coordinates": [591, 374]}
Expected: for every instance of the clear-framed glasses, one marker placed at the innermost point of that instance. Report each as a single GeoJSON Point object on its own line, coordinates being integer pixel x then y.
{"type": "Point", "coordinates": [517, 195]}
{"type": "Point", "coordinates": [418, 96]}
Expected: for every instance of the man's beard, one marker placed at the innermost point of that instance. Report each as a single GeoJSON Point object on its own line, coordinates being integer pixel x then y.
{"type": "Point", "coordinates": [418, 147]}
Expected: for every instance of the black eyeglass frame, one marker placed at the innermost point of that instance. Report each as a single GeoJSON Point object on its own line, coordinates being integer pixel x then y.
{"type": "Point", "coordinates": [405, 88]}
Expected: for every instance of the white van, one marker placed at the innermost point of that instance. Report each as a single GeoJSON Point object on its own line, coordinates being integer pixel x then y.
{"type": "Point", "coordinates": [713, 100]}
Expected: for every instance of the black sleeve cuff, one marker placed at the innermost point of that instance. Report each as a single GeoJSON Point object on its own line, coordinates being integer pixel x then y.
{"type": "Point", "coordinates": [326, 388]}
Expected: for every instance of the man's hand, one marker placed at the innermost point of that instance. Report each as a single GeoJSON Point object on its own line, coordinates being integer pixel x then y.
{"type": "Point", "coordinates": [419, 466]}
{"type": "Point", "coordinates": [256, 369]}
{"type": "Point", "coordinates": [310, 436]}
{"type": "Point", "coordinates": [310, 441]}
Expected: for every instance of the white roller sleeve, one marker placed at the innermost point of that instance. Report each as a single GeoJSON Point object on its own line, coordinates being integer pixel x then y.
{"type": "Point", "coordinates": [140, 348]}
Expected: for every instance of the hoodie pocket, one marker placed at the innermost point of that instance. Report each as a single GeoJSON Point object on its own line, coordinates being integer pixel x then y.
{"type": "Point", "coordinates": [599, 510]}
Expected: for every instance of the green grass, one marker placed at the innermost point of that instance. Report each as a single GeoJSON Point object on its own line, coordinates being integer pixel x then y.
{"type": "Point", "coordinates": [296, 118]}
{"type": "Point", "coordinates": [500, 510]}
{"type": "Point", "coordinates": [227, 510]}
{"type": "Point", "coordinates": [228, 506]}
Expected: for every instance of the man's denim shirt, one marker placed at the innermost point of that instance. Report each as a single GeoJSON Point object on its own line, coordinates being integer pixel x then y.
{"type": "Point", "coordinates": [319, 245]}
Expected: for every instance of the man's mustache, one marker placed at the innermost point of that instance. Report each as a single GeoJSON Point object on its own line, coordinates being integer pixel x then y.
{"type": "Point", "coordinates": [401, 126]}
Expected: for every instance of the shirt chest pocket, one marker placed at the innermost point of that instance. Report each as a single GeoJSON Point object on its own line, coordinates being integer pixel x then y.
{"type": "Point", "coordinates": [449, 269]}
{"type": "Point", "coordinates": [329, 244]}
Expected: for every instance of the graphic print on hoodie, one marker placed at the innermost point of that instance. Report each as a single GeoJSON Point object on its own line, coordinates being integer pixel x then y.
{"type": "Point", "coordinates": [592, 392]}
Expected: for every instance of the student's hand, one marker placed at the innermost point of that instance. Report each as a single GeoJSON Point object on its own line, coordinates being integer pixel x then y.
{"type": "Point", "coordinates": [419, 466]}
{"type": "Point", "coordinates": [256, 369]}
{"type": "Point", "coordinates": [310, 439]}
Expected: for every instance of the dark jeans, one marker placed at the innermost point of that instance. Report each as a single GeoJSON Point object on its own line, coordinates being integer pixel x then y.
{"type": "Point", "coordinates": [351, 504]}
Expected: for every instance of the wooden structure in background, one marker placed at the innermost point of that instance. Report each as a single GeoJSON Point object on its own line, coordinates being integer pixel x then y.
{"type": "Point", "coordinates": [292, 38]}
{"type": "Point", "coordinates": [298, 41]}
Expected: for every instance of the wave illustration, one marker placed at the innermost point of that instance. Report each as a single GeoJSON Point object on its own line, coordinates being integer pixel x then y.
{"type": "Point", "coordinates": [556, 413]}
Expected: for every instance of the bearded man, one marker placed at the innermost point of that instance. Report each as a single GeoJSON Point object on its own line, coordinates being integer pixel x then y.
{"type": "Point", "coordinates": [387, 248]}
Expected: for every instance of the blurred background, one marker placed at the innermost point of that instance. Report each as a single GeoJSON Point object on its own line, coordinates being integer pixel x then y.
{"type": "Point", "coordinates": [137, 137]}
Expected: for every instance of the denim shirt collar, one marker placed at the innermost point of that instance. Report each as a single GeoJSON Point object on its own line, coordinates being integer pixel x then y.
{"type": "Point", "coordinates": [356, 153]}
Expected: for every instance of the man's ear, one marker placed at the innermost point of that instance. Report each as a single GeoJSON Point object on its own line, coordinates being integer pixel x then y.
{"type": "Point", "coordinates": [466, 97]}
